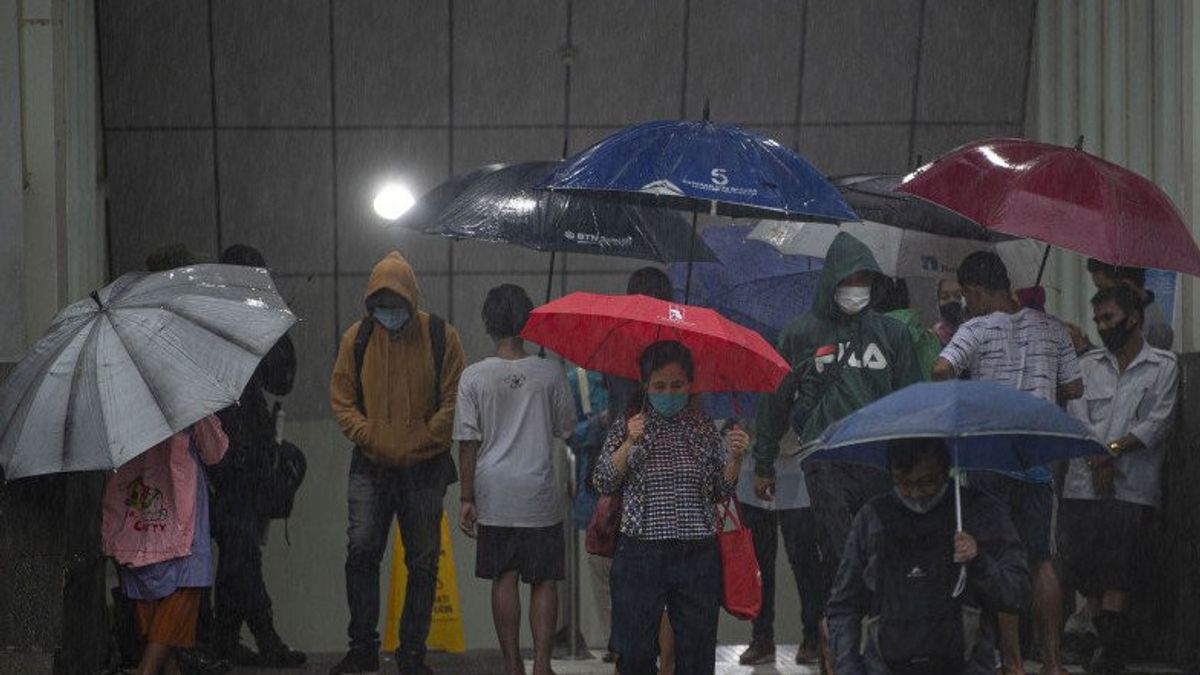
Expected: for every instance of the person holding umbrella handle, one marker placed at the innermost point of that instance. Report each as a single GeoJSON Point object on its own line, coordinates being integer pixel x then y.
{"type": "Point", "coordinates": [668, 461]}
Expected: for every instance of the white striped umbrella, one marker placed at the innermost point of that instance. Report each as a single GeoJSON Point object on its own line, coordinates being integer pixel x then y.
{"type": "Point", "coordinates": [134, 363]}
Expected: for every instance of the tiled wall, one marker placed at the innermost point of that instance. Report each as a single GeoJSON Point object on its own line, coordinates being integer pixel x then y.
{"type": "Point", "coordinates": [271, 122]}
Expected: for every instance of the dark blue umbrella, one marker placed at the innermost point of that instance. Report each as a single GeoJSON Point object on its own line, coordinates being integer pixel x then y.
{"type": "Point", "coordinates": [753, 285]}
{"type": "Point", "coordinates": [986, 426]}
{"type": "Point", "coordinates": [703, 166]}
{"type": "Point", "coordinates": [708, 167]}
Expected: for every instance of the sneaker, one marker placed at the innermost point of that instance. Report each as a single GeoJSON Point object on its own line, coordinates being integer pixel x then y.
{"type": "Point", "coordinates": [760, 651]}
{"type": "Point", "coordinates": [357, 661]}
{"type": "Point", "coordinates": [198, 661]}
{"type": "Point", "coordinates": [239, 654]}
{"type": "Point", "coordinates": [412, 664]}
{"type": "Point", "coordinates": [609, 657]}
{"type": "Point", "coordinates": [283, 656]}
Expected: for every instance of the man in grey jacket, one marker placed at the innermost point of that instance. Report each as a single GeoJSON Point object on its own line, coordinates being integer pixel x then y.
{"type": "Point", "coordinates": [899, 605]}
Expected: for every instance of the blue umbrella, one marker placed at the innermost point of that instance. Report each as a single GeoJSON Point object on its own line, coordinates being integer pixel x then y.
{"type": "Point", "coordinates": [703, 166]}
{"type": "Point", "coordinates": [987, 426]}
{"type": "Point", "coordinates": [752, 284]}
{"type": "Point", "coordinates": [718, 168]}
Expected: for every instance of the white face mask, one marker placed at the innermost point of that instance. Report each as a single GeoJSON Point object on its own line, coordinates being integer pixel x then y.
{"type": "Point", "coordinates": [852, 299]}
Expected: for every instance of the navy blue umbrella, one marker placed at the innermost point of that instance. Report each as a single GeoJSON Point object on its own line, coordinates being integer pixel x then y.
{"type": "Point", "coordinates": [753, 285]}
{"type": "Point", "coordinates": [986, 426]}
{"type": "Point", "coordinates": [703, 166]}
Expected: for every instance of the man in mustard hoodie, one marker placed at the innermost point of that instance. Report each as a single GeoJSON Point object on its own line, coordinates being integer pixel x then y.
{"type": "Point", "coordinates": [393, 393]}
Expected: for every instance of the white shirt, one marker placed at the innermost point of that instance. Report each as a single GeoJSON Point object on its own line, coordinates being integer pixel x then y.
{"type": "Point", "coordinates": [1140, 401]}
{"type": "Point", "coordinates": [515, 408]}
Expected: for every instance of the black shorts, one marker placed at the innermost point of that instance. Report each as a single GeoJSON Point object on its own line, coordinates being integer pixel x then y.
{"type": "Point", "coordinates": [1101, 543]}
{"type": "Point", "coordinates": [535, 553]}
{"type": "Point", "coordinates": [1030, 505]}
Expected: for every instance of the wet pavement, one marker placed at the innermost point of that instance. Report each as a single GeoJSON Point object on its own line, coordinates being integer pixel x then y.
{"type": "Point", "coordinates": [486, 662]}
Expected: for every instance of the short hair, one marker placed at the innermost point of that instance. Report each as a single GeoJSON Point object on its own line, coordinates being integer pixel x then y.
{"type": "Point", "coordinates": [905, 453]}
{"type": "Point", "coordinates": [1124, 297]}
{"type": "Point", "coordinates": [241, 254]}
{"type": "Point", "coordinates": [893, 294]}
{"type": "Point", "coordinates": [1135, 274]}
{"type": "Point", "coordinates": [986, 269]}
{"type": "Point", "coordinates": [650, 281]}
{"type": "Point", "coordinates": [664, 353]}
{"type": "Point", "coordinates": [505, 310]}
{"type": "Point", "coordinates": [169, 257]}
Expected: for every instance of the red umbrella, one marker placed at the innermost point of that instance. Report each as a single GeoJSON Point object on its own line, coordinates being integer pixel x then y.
{"type": "Point", "coordinates": [607, 333]}
{"type": "Point", "coordinates": [1061, 196]}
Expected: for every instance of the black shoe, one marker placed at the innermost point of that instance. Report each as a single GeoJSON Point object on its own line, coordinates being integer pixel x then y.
{"type": "Point", "coordinates": [239, 654]}
{"type": "Point", "coordinates": [358, 661]}
{"type": "Point", "coordinates": [272, 652]}
{"type": "Point", "coordinates": [412, 664]}
{"type": "Point", "coordinates": [201, 662]}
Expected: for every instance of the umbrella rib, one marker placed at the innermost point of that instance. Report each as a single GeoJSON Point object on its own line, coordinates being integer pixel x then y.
{"type": "Point", "coordinates": [174, 312]}
{"type": "Point", "coordinates": [40, 376]}
{"type": "Point", "coordinates": [68, 430]}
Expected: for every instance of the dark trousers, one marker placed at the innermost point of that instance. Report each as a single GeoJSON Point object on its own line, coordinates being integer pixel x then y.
{"type": "Point", "coordinates": [240, 590]}
{"type": "Point", "coordinates": [799, 529]}
{"type": "Point", "coordinates": [682, 576]}
{"type": "Point", "coordinates": [838, 490]}
{"type": "Point", "coordinates": [376, 496]}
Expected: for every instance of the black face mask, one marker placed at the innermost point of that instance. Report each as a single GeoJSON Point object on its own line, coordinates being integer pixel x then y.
{"type": "Point", "coordinates": [1117, 337]}
{"type": "Point", "coordinates": [952, 313]}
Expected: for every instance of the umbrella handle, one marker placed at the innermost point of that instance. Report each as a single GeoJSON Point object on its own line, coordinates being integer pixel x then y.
{"type": "Point", "coordinates": [962, 571]}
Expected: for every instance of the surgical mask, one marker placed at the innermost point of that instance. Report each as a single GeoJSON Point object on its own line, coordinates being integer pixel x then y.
{"type": "Point", "coordinates": [952, 312]}
{"type": "Point", "coordinates": [668, 405]}
{"type": "Point", "coordinates": [392, 318]}
{"type": "Point", "coordinates": [852, 299]}
{"type": "Point", "coordinates": [922, 505]}
{"type": "Point", "coordinates": [1117, 337]}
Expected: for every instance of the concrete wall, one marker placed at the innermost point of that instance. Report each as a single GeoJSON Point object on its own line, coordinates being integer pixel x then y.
{"type": "Point", "coordinates": [271, 124]}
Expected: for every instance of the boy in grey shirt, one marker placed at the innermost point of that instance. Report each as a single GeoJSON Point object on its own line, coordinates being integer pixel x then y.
{"type": "Point", "coordinates": [510, 408]}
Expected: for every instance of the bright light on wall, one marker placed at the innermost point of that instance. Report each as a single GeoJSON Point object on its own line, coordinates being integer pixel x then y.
{"type": "Point", "coordinates": [393, 200]}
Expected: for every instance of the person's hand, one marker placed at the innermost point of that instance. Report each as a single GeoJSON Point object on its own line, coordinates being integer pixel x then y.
{"type": "Point", "coordinates": [764, 488]}
{"type": "Point", "coordinates": [1104, 472]}
{"type": "Point", "coordinates": [635, 428]}
{"type": "Point", "coordinates": [604, 419]}
{"type": "Point", "coordinates": [1078, 339]}
{"type": "Point", "coordinates": [965, 548]}
{"type": "Point", "coordinates": [737, 440]}
{"type": "Point", "coordinates": [467, 518]}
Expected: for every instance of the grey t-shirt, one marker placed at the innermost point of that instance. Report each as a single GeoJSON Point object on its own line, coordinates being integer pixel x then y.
{"type": "Point", "coordinates": [515, 408]}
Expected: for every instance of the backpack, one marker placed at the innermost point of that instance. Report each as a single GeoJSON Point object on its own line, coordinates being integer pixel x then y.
{"type": "Point", "coordinates": [917, 626]}
{"type": "Point", "coordinates": [438, 469]}
{"type": "Point", "coordinates": [285, 469]}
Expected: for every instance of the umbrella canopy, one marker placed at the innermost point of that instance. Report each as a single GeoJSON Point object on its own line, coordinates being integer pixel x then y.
{"type": "Point", "coordinates": [753, 285]}
{"type": "Point", "coordinates": [704, 166]}
{"type": "Point", "coordinates": [138, 361]}
{"type": "Point", "coordinates": [987, 426]}
{"type": "Point", "coordinates": [903, 252]}
{"type": "Point", "coordinates": [1060, 196]}
{"type": "Point", "coordinates": [607, 333]}
{"type": "Point", "coordinates": [498, 203]}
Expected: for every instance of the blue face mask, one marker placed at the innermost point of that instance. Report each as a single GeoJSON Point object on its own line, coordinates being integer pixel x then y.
{"type": "Point", "coordinates": [392, 318]}
{"type": "Point", "coordinates": [668, 405]}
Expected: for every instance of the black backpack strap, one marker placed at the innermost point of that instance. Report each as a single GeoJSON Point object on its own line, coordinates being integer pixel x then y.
{"type": "Point", "coordinates": [360, 352]}
{"type": "Point", "coordinates": [437, 345]}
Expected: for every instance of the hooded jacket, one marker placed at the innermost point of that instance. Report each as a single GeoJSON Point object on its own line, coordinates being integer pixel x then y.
{"type": "Point", "coordinates": [401, 426]}
{"type": "Point", "coordinates": [840, 362]}
{"type": "Point", "coordinates": [997, 581]}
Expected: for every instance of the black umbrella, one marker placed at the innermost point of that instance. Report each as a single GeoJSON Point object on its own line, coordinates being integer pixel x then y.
{"type": "Point", "coordinates": [874, 197]}
{"type": "Point", "coordinates": [500, 204]}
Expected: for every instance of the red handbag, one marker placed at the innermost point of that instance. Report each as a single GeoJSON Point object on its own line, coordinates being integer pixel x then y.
{"type": "Point", "coordinates": [741, 578]}
{"type": "Point", "coordinates": [605, 525]}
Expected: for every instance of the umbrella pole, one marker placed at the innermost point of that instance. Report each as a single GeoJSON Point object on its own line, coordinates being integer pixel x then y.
{"type": "Point", "coordinates": [549, 287]}
{"type": "Point", "coordinates": [1042, 268]}
{"type": "Point", "coordinates": [958, 498]}
{"type": "Point", "coordinates": [687, 285]}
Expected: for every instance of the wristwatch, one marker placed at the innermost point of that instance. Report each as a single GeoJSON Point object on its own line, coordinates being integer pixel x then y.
{"type": "Point", "coordinates": [1115, 449]}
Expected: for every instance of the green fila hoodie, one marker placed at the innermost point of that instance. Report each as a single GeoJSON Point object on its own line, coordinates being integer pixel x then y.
{"type": "Point", "coordinates": [840, 362]}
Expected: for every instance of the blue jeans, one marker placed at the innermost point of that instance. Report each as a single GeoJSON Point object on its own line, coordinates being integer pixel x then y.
{"type": "Point", "coordinates": [800, 541]}
{"type": "Point", "coordinates": [684, 577]}
{"type": "Point", "coordinates": [377, 494]}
